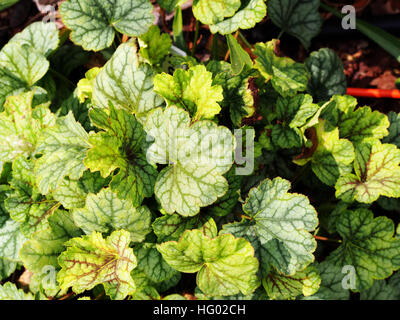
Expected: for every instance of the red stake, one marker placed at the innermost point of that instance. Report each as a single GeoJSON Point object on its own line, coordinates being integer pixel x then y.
{"type": "Point", "coordinates": [374, 93]}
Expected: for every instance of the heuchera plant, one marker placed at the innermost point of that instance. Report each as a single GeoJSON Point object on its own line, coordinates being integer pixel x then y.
{"type": "Point", "coordinates": [158, 176]}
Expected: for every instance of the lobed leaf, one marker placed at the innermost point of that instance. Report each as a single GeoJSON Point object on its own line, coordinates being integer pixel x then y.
{"type": "Point", "coordinates": [332, 158]}
{"type": "Point", "coordinates": [368, 246]}
{"type": "Point", "coordinates": [63, 147]}
{"type": "Point", "coordinates": [225, 264]}
{"type": "Point", "coordinates": [377, 174]}
{"type": "Point", "coordinates": [104, 212]}
{"type": "Point", "coordinates": [197, 156]}
{"type": "Point", "coordinates": [21, 124]}
{"type": "Point", "coordinates": [327, 74]}
{"type": "Point", "coordinates": [278, 226]}
{"type": "Point", "coordinates": [126, 84]}
{"type": "Point", "coordinates": [213, 11]}
{"type": "Point", "coordinates": [248, 15]}
{"type": "Point", "coordinates": [9, 291]}
{"type": "Point", "coordinates": [191, 90]}
{"type": "Point", "coordinates": [154, 46]}
{"type": "Point", "coordinates": [283, 287]}
{"type": "Point", "coordinates": [91, 260]}
{"type": "Point", "coordinates": [119, 146]}
{"type": "Point", "coordinates": [299, 18]}
{"type": "Point", "coordinates": [93, 24]}
{"type": "Point", "coordinates": [43, 249]}
{"type": "Point", "coordinates": [286, 76]}
{"type": "Point", "coordinates": [355, 124]}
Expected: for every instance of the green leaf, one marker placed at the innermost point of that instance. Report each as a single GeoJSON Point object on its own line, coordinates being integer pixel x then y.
{"type": "Point", "coordinates": [11, 240]}
{"type": "Point", "coordinates": [238, 96]}
{"type": "Point", "coordinates": [9, 291]}
{"type": "Point", "coordinates": [197, 156]}
{"type": "Point", "coordinates": [225, 264]}
{"type": "Point", "coordinates": [126, 83]}
{"type": "Point", "coordinates": [389, 204]}
{"type": "Point", "coordinates": [85, 86]}
{"type": "Point", "coordinates": [331, 287]}
{"type": "Point", "coordinates": [225, 204]}
{"type": "Point", "coordinates": [258, 294]}
{"type": "Point", "coordinates": [23, 59]}
{"type": "Point", "coordinates": [250, 13]}
{"type": "Point", "coordinates": [191, 90]}
{"type": "Point", "coordinates": [154, 46]}
{"type": "Point", "coordinates": [368, 246]}
{"type": "Point", "coordinates": [4, 215]}
{"type": "Point", "coordinates": [283, 287]}
{"type": "Point", "coordinates": [94, 23]}
{"type": "Point", "coordinates": [119, 146]}
{"type": "Point", "coordinates": [327, 74]}
{"type": "Point", "coordinates": [394, 129]}
{"type": "Point", "coordinates": [292, 114]}
{"type": "Point", "coordinates": [287, 77]}
{"type": "Point", "coordinates": [72, 193]}
{"type": "Point", "coordinates": [21, 124]}
{"type": "Point", "coordinates": [43, 249]}
{"type": "Point", "coordinates": [69, 58]}
{"type": "Point", "coordinates": [24, 203]}
{"type": "Point", "coordinates": [151, 262]}
{"type": "Point", "coordinates": [7, 3]}
{"type": "Point", "coordinates": [170, 5]}
{"type": "Point", "coordinates": [104, 212]}
{"type": "Point", "coordinates": [277, 226]}
{"type": "Point", "coordinates": [145, 289]}
{"type": "Point", "coordinates": [91, 260]}
{"type": "Point", "coordinates": [7, 268]}
{"type": "Point", "coordinates": [356, 125]}
{"type": "Point", "coordinates": [39, 36]}
{"type": "Point", "coordinates": [80, 110]}
{"type": "Point", "coordinates": [23, 63]}
{"type": "Point", "coordinates": [300, 18]}
{"type": "Point", "coordinates": [333, 156]}
{"type": "Point", "coordinates": [239, 57]}
{"type": "Point", "coordinates": [377, 174]}
{"type": "Point", "coordinates": [10, 84]}
{"type": "Point", "coordinates": [383, 290]}
{"type": "Point", "coordinates": [177, 29]}
{"type": "Point", "coordinates": [63, 146]}
{"type": "Point", "coordinates": [213, 11]}
{"type": "Point", "coordinates": [170, 227]}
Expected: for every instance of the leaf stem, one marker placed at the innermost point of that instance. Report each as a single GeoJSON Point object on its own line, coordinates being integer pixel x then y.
{"type": "Point", "coordinates": [244, 40]}
{"type": "Point", "coordinates": [55, 296]}
{"type": "Point", "coordinates": [327, 239]}
{"type": "Point", "coordinates": [196, 37]}
{"type": "Point", "coordinates": [227, 55]}
{"type": "Point", "coordinates": [119, 37]}
{"type": "Point", "coordinates": [214, 47]}
{"type": "Point", "coordinates": [68, 295]}
{"type": "Point", "coordinates": [125, 38]}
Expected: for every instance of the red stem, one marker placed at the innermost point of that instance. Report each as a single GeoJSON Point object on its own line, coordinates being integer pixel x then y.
{"type": "Point", "coordinates": [374, 93]}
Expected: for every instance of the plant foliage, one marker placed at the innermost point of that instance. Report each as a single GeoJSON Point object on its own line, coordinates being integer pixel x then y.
{"type": "Point", "coordinates": [154, 164]}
